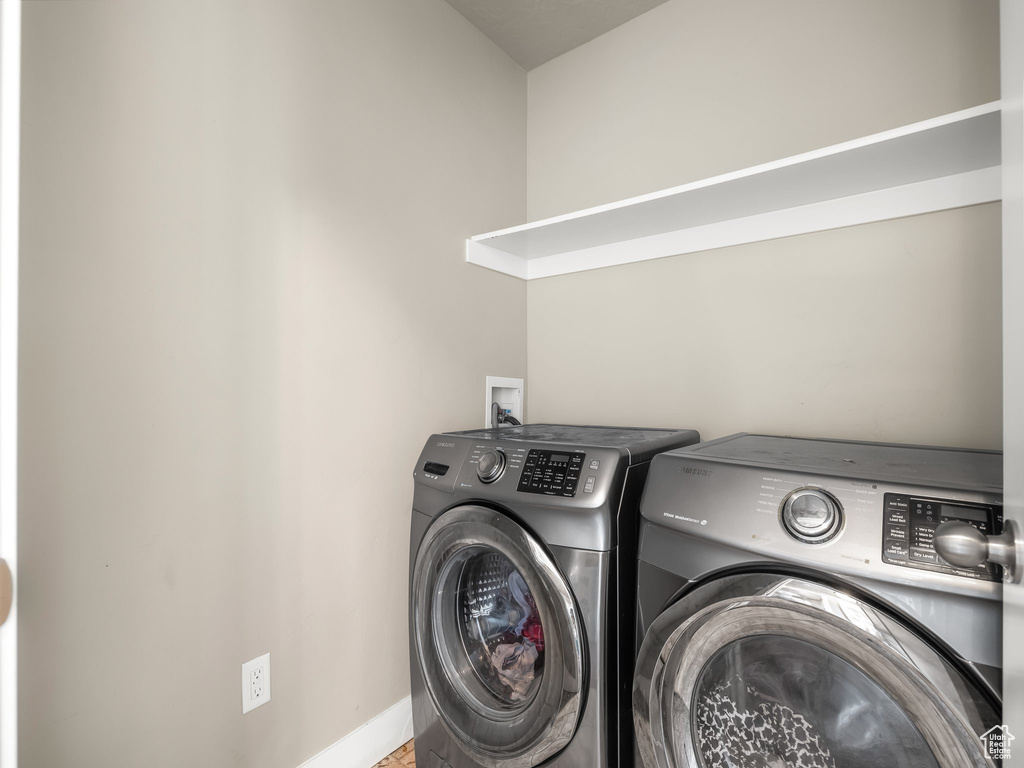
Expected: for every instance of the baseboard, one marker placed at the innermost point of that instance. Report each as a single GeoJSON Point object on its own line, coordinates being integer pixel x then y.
{"type": "Point", "coordinates": [369, 743]}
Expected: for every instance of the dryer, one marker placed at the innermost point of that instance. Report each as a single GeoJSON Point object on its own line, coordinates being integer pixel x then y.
{"type": "Point", "coordinates": [794, 611]}
{"type": "Point", "coordinates": [522, 586]}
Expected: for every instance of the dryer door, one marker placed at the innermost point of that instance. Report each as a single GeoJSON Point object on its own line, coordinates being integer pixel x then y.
{"type": "Point", "coordinates": [498, 637]}
{"type": "Point", "coordinates": [779, 672]}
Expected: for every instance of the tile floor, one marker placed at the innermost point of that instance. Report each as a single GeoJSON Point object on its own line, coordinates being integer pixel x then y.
{"type": "Point", "coordinates": [403, 757]}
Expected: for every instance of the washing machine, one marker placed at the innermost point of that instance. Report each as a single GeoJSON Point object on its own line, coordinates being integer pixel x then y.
{"type": "Point", "coordinates": [522, 589]}
{"type": "Point", "coordinates": [797, 609]}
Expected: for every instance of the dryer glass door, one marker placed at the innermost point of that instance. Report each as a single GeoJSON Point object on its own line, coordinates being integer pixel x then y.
{"type": "Point", "coordinates": [498, 638]}
{"type": "Point", "coordinates": [795, 703]}
{"type": "Point", "coordinates": [787, 673]}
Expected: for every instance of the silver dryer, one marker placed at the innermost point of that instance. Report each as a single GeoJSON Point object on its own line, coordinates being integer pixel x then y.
{"type": "Point", "coordinates": [794, 611]}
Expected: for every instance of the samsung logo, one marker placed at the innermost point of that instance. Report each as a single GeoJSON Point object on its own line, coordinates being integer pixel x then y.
{"type": "Point", "coordinates": [445, 445]}
{"type": "Point", "coordinates": [698, 472]}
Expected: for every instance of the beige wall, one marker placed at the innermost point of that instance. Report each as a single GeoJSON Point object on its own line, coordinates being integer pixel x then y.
{"type": "Point", "coordinates": [824, 334]}
{"type": "Point", "coordinates": [245, 306]}
{"type": "Point", "coordinates": [694, 88]}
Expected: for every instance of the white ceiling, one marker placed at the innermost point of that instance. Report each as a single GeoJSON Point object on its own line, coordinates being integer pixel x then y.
{"type": "Point", "coordinates": [535, 31]}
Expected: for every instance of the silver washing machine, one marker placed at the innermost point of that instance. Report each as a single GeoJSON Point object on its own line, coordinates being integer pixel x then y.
{"type": "Point", "coordinates": [794, 611]}
{"type": "Point", "coordinates": [522, 614]}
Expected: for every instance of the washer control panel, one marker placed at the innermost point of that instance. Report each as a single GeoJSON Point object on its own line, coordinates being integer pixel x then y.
{"type": "Point", "coordinates": [908, 532]}
{"type": "Point", "coordinates": [553, 473]}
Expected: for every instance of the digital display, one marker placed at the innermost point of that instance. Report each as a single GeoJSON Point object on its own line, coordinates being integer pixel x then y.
{"type": "Point", "coordinates": [966, 513]}
{"type": "Point", "coordinates": [561, 457]}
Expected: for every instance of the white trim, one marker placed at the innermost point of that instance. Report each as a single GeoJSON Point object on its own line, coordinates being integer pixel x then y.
{"type": "Point", "coordinates": [369, 743]}
{"type": "Point", "coordinates": [941, 194]}
{"type": "Point", "coordinates": [944, 193]}
{"type": "Point", "coordinates": [493, 258]}
{"type": "Point", "coordinates": [774, 165]}
{"type": "Point", "coordinates": [1011, 23]}
{"type": "Point", "coordinates": [947, 162]}
{"type": "Point", "coordinates": [10, 119]}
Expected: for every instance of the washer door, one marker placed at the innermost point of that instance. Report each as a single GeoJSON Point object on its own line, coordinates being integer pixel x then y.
{"type": "Point", "coordinates": [498, 637]}
{"type": "Point", "coordinates": [768, 671]}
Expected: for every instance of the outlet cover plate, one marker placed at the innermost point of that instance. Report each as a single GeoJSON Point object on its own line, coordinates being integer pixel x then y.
{"type": "Point", "coordinates": [255, 683]}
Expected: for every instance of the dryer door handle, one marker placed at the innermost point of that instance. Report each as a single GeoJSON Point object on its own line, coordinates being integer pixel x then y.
{"type": "Point", "coordinates": [962, 544]}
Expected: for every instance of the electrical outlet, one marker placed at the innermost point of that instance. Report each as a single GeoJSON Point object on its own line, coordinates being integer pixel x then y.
{"type": "Point", "coordinates": [255, 683]}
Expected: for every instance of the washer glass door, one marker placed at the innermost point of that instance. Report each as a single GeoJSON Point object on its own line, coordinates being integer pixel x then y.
{"type": "Point", "coordinates": [498, 638]}
{"type": "Point", "coordinates": [485, 612]}
{"type": "Point", "coordinates": [777, 672]}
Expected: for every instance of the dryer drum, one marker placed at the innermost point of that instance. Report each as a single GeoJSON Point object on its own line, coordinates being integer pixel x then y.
{"type": "Point", "coordinates": [498, 638]}
{"type": "Point", "coordinates": [798, 675]}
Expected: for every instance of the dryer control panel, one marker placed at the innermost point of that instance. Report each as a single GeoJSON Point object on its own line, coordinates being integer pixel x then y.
{"type": "Point", "coordinates": [909, 525]}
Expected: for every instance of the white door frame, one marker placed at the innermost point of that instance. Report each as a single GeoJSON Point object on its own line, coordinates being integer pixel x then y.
{"type": "Point", "coordinates": [1012, 75]}
{"type": "Point", "coordinates": [10, 119]}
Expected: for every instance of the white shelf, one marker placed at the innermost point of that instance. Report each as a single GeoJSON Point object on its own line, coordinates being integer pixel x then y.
{"type": "Point", "coordinates": [946, 162]}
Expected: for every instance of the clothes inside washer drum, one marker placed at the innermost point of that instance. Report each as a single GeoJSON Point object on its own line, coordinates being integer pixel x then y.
{"type": "Point", "coordinates": [765, 734]}
{"type": "Point", "coordinates": [515, 664]}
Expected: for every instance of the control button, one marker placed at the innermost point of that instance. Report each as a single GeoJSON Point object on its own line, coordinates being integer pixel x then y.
{"type": "Point", "coordinates": [811, 515]}
{"type": "Point", "coordinates": [490, 466]}
{"type": "Point", "coordinates": [896, 532]}
{"type": "Point", "coordinates": [922, 556]}
{"type": "Point", "coordinates": [594, 464]}
{"type": "Point", "coordinates": [896, 517]}
{"type": "Point", "coordinates": [588, 487]}
{"type": "Point", "coordinates": [897, 550]}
